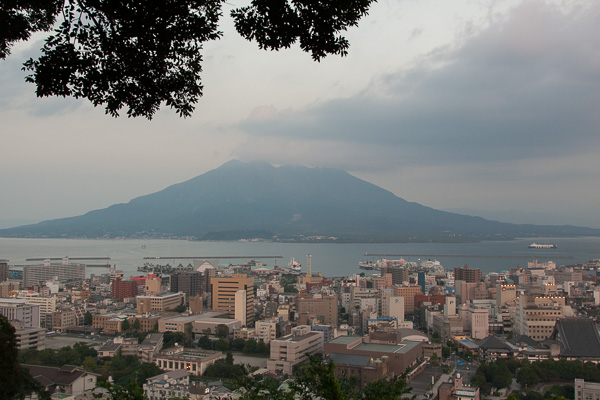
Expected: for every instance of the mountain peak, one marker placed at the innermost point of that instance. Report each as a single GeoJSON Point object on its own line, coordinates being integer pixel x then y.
{"type": "Point", "coordinates": [286, 201]}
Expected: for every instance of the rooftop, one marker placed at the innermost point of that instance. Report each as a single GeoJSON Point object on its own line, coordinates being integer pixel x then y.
{"type": "Point", "coordinates": [344, 339]}
{"type": "Point", "coordinates": [349, 359]}
{"type": "Point", "coordinates": [401, 348]}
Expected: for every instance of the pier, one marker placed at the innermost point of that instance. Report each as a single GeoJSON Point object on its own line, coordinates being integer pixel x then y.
{"type": "Point", "coordinates": [70, 258]}
{"type": "Point", "coordinates": [210, 257]}
{"type": "Point", "coordinates": [462, 256]}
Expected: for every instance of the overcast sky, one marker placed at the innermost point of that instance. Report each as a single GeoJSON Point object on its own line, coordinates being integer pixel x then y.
{"type": "Point", "coordinates": [489, 105]}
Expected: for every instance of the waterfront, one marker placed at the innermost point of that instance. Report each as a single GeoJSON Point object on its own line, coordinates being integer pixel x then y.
{"type": "Point", "coordinates": [329, 259]}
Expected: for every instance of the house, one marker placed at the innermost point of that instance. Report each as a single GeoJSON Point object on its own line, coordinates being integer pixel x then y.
{"type": "Point", "coordinates": [68, 379]}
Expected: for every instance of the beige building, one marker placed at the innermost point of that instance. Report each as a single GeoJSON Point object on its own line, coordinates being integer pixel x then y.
{"type": "Point", "coordinates": [179, 323]}
{"type": "Point", "coordinates": [586, 390]}
{"type": "Point", "coordinates": [64, 319]}
{"type": "Point", "coordinates": [193, 361]}
{"type": "Point", "coordinates": [159, 302]}
{"type": "Point", "coordinates": [409, 293]}
{"type": "Point", "coordinates": [6, 288]}
{"type": "Point", "coordinates": [224, 295]}
{"type": "Point", "coordinates": [47, 304]}
{"type": "Point", "coordinates": [153, 286]}
{"type": "Point", "coordinates": [536, 316]}
{"type": "Point", "coordinates": [319, 305]}
{"type": "Point", "coordinates": [505, 294]}
{"type": "Point", "coordinates": [29, 338]}
{"type": "Point", "coordinates": [108, 323]}
{"type": "Point", "coordinates": [266, 330]}
{"type": "Point", "coordinates": [289, 351]}
{"type": "Point", "coordinates": [475, 320]}
{"type": "Point", "coordinates": [19, 310]}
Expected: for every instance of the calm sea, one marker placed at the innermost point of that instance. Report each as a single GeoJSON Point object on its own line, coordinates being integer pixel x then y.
{"type": "Point", "coordinates": [330, 259]}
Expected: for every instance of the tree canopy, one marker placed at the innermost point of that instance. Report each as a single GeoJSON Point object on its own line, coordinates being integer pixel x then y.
{"type": "Point", "coordinates": [317, 380]}
{"type": "Point", "coordinates": [140, 54]}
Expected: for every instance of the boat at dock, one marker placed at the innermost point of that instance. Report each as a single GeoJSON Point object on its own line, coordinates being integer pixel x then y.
{"type": "Point", "coordinates": [379, 264]}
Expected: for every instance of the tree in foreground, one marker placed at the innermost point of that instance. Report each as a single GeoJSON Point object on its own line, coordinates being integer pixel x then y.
{"type": "Point", "coordinates": [317, 380]}
{"type": "Point", "coordinates": [15, 381]}
{"type": "Point", "coordinates": [139, 54]}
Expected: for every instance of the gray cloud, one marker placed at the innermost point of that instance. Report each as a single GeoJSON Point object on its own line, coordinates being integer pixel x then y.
{"type": "Point", "coordinates": [525, 87]}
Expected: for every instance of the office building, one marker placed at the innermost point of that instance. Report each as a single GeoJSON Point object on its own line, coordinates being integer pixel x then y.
{"type": "Point", "coordinates": [319, 305]}
{"type": "Point", "coordinates": [536, 316]}
{"type": "Point", "coordinates": [189, 283]}
{"type": "Point", "coordinates": [3, 270]}
{"type": "Point", "coordinates": [159, 302]}
{"type": "Point", "coordinates": [291, 350]}
{"type": "Point", "coordinates": [224, 291]}
{"type": "Point", "coordinates": [19, 310]}
{"type": "Point", "coordinates": [409, 293]}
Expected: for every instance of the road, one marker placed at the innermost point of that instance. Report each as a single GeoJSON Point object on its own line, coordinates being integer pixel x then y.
{"type": "Point", "coordinates": [423, 383]}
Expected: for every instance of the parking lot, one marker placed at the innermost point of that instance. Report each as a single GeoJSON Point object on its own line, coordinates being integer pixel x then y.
{"type": "Point", "coordinates": [56, 342]}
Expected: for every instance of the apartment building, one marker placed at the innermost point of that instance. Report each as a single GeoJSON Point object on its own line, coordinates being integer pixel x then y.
{"type": "Point", "coordinates": [467, 274]}
{"type": "Point", "coordinates": [36, 274]}
{"type": "Point", "coordinates": [120, 289]}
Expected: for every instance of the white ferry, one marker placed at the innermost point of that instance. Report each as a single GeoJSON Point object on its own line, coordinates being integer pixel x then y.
{"type": "Point", "coordinates": [542, 246]}
{"type": "Point", "coordinates": [295, 265]}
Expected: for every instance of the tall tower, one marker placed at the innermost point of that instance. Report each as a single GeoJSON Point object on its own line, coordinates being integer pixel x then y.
{"type": "Point", "coordinates": [224, 297]}
{"type": "Point", "coordinates": [308, 266]}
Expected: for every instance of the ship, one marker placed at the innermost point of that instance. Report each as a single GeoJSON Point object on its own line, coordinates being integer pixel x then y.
{"type": "Point", "coordinates": [542, 246]}
{"type": "Point", "coordinates": [369, 265]}
{"type": "Point", "coordinates": [295, 265]}
{"type": "Point", "coordinates": [379, 264]}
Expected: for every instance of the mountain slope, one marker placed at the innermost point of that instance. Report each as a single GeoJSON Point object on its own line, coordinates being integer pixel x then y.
{"type": "Point", "coordinates": [288, 200]}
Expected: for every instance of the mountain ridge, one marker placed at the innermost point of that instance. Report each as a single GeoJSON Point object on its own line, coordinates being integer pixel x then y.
{"type": "Point", "coordinates": [291, 202]}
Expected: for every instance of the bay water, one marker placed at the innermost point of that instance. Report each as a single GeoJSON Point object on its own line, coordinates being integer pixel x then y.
{"type": "Point", "coordinates": [328, 258]}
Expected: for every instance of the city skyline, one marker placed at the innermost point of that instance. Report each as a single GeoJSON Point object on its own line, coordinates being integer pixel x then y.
{"type": "Point", "coordinates": [489, 107]}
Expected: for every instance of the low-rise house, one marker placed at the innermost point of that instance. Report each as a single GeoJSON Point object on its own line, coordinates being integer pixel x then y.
{"type": "Point", "coordinates": [69, 379]}
{"type": "Point", "coordinates": [457, 390]}
{"type": "Point", "coordinates": [172, 384]}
